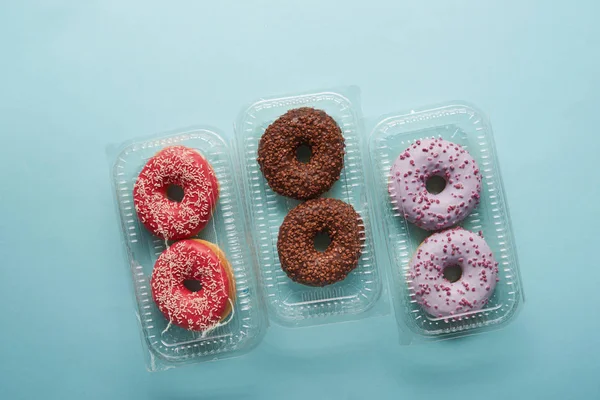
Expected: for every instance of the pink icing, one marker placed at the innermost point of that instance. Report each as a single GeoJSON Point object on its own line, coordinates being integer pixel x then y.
{"type": "Point", "coordinates": [440, 297]}
{"type": "Point", "coordinates": [427, 158]}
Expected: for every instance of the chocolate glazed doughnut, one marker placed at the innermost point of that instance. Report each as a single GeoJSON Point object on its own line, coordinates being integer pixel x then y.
{"type": "Point", "coordinates": [301, 261]}
{"type": "Point", "coordinates": [277, 159]}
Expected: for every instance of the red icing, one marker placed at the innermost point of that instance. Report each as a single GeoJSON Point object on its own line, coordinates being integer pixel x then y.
{"type": "Point", "coordinates": [168, 219]}
{"type": "Point", "coordinates": [190, 259]}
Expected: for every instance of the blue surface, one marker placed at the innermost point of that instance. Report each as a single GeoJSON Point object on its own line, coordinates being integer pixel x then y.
{"type": "Point", "coordinates": [77, 76]}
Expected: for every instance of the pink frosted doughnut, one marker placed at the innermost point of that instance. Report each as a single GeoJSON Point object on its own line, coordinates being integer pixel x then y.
{"type": "Point", "coordinates": [453, 247]}
{"type": "Point", "coordinates": [423, 160]}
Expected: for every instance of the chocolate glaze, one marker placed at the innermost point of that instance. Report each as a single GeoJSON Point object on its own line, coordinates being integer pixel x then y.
{"type": "Point", "coordinates": [277, 158]}
{"type": "Point", "coordinates": [295, 244]}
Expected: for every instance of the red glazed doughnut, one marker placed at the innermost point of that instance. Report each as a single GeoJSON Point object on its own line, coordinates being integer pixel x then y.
{"type": "Point", "coordinates": [166, 218]}
{"type": "Point", "coordinates": [198, 260]}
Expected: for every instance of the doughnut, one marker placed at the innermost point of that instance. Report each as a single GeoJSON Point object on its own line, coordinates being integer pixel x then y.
{"type": "Point", "coordinates": [193, 259]}
{"type": "Point", "coordinates": [455, 247]}
{"type": "Point", "coordinates": [277, 159]}
{"type": "Point", "coordinates": [299, 258]}
{"type": "Point", "coordinates": [170, 219]}
{"type": "Point", "coordinates": [423, 160]}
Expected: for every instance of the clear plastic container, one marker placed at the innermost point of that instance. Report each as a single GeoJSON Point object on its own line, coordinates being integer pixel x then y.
{"type": "Point", "coordinates": [468, 127]}
{"type": "Point", "coordinates": [169, 345]}
{"type": "Point", "coordinates": [290, 303]}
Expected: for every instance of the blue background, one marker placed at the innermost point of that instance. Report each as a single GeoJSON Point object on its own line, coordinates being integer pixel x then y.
{"type": "Point", "coordinates": [77, 76]}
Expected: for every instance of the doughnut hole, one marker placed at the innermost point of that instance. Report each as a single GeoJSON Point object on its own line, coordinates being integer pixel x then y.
{"type": "Point", "coordinates": [192, 285]}
{"type": "Point", "coordinates": [322, 241]}
{"type": "Point", "coordinates": [303, 153]}
{"type": "Point", "coordinates": [452, 273]}
{"type": "Point", "coordinates": [175, 193]}
{"type": "Point", "coordinates": [435, 184]}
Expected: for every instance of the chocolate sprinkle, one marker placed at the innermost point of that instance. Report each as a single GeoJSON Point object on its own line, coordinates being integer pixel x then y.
{"type": "Point", "coordinates": [284, 173]}
{"type": "Point", "coordinates": [295, 244]}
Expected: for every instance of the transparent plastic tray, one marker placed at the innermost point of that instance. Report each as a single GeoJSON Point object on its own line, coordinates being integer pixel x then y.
{"type": "Point", "coordinates": [173, 345]}
{"type": "Point", "coordinates": [290, 303]}
{"type": "Point", "coordinates": [464, 125]}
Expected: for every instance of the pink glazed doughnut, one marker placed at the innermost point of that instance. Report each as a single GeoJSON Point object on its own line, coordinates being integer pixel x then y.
{"type": "Point", "coordinates": [423, 160]}
{"type": "Point", "coordinates": [453, 247]}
